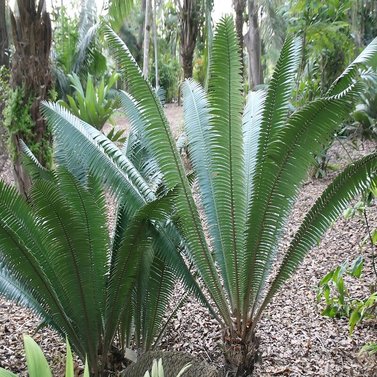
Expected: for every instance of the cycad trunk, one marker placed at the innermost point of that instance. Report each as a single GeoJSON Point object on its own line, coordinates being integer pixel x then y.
{"type": "Point", "coordinates": [254, 46]}
{"type": "Point", "coordinates": [4, 57]}
{"type": "Point", "coordinates": [241, 353]}
{"type": "Point", "coordinates": [31, 30]}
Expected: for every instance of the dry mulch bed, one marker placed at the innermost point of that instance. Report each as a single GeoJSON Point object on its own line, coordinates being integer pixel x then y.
{"type": "Point", "coordinates": [295, 339]}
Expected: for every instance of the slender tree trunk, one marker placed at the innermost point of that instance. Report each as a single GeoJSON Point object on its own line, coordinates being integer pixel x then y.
{"type": "Point", "coordinates": [254, 46]}
{"type": "Point", "coordinates": [4, 44]}
{"type": "Point", "coordinates": [239, 8]}
{"type": "Point", "coordinates": [189, 31]}
{"type": "Point", "coordinates": [356, 22]}
{"type": "Point", "coordinates": [31, 30]}
{"type": "Point", "coordinates": [209, 39]}
{"type": "Point", "coordinates": [140, 35]}
{"type": "Point", "coordinates": [147, 36]}
{"type": "Point", "coordinates": [155, 43]}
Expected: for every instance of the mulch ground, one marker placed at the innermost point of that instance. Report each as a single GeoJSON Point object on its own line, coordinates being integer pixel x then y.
{"type": "Point", "coordinates": [295, 339]}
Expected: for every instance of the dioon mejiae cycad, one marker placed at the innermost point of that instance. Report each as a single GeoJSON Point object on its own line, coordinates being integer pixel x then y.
{"type": "Point", "coordinates": [58, 259]}
{"type": "Point", "coordinates": [250, 160]}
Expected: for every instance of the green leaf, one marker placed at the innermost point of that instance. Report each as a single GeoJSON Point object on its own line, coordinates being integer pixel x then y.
{"type": "Point", "coordinates": [225, 144]}
{"type": "Point", "coordinates": [5, 373]}
{"type": "Point", "coordinates": [352, 181]}
{"type": "Point", "coordinates": [326, 278]}
{"type": "Point", "coordinates": [157, 133]}
{"type": "Point", "coordinates": [354, 320]}
{"type": "Point", "coordinates": [69, 368]}
{"type": "Point", "coordinates": [36, 362]}
{"type": "Point", "coordinates": [374, 236]}
{"type": "Point", "coordinates": [86, 369]}
{"type": "Point", "coordinates": [357, 267]}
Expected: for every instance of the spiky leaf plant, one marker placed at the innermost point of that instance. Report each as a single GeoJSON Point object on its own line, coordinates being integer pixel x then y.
{"type": "Point", "coordinates": [249, 166]}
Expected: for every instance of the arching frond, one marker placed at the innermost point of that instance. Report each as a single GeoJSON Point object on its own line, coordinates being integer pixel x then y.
{"type": "Point", "coordinates": [355, 179]}
{"type": "Point", "coordinates": [161, 143]}
{"type": "Point", "coordinates": [84, 142]}
{"type": "Point", "coordinates": [274, 116]}
{"type": "Point", "coordinates": [197, 119]}
{"type": "Point", "coordinates": [226, 151]}
{"type": "Point", "coordinates": [286, 168]}
{"type": "Point", "coordinates": [367, 57]}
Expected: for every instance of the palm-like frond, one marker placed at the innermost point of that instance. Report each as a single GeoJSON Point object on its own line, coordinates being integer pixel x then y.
{"type": "Point", "coordinates": [367, 57]}
{"type": "Point", "coordinates": [274, 115]}
{"type": "Point", "coordinates": [118, 11]}
{"type": "Point", "coordinates": [127, 260]}
{"type": "Point", "coordinates": [161, 143]}
{"type": "Point", "coordinates": [355, 179]}
{"type": "Point", "coordinates": [121, 176]}
{"type": "Point", "coordinates": [288, 164]}
{"type": "Point", "coordinates": [226, 151]}
{"type": "Point", "coordinates": [55, 258]}
{"type": "Point", "coordinates": [17, 292]}
{"type": "Point", "coordinates": [78, 233]}
{"type": "Point", "coordinates": [197, 119]}
{"type": "Point", "coordinates": [24, 250]}
{"type": "Point", "coordinates": [251, 123]}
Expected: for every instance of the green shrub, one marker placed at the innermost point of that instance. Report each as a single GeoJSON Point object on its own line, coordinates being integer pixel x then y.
{"type": "Point", "coordinates": [92, 104]}
{"type": "Point", "coordinates": [169, 76]}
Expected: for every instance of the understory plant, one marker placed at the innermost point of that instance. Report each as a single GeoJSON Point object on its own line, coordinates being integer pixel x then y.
{"type": "Point", "coordinates": [250, 161]}
{"type": "Point", "coordinates": [158, 370]}
{"type": "Point", "coordinates": [336, 286]}
{"type": "Point", "coordinates": [364, 117]}
{"type": "Point", "coordinates": [339, 301]}
{"type": "Point", "coordinates": [94, 104]}
{"type": "Point", "coordinates": [37, 363]}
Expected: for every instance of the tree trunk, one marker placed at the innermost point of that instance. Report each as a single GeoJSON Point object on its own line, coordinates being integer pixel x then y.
{"type": "Point", "coordinates": [147, 37]}
{"type": "Point", "coordinates": [189, 31]}
{"type": "Point", "coordinates": [140, 36]}
{"type": "Point", "coordinates": [31, 73]}
{"type": "Point", "coordinates": [239, 8]}
{"type": "Point", "coordinates": [4, 56]}
{"type": "Point", "coordinates": [155, 43]}
{"type": "Point", "coordinates": [254, 46]}
{"type": "Point", "coordinates": [356, 22]}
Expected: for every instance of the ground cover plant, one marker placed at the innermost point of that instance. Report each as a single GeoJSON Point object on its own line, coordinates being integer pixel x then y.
{"type": "Point", "coordinates": [249, 170]}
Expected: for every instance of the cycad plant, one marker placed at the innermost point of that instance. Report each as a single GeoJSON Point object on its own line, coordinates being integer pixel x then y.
{"type": "Point", "coordinates": [58, 259]}
{"type": "Point", "coordinates": [249, 166]}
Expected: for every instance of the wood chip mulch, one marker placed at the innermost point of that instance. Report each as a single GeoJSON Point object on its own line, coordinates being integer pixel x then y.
{"type": "Point", "coordinates": [295, 339]}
